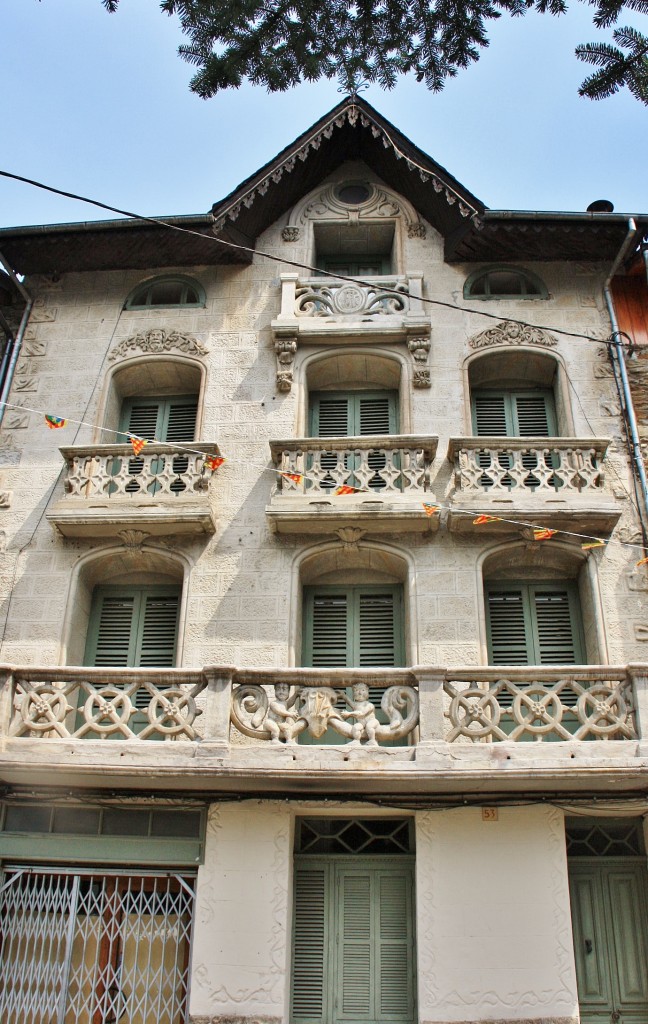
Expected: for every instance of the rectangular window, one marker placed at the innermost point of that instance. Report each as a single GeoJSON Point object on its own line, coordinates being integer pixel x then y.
{"type": "Point", "coordinates": [353, 413]}
{"type": "Point", "coordinates": [534, 624]}
{"type": "Point", "coordinates": [353, 626]}
{"type": "Point", "coordinates": [171, 420]}
{"type": "Point", "coordinates": [524, 413]}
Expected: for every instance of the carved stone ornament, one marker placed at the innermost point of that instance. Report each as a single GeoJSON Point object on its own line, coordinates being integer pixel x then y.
{"type": "Point", "coordinates": [133, 538]}
{"type": "Point", "coordinates": [290, 234]}
{"type": "Point", "coordinates": [511, 333]}
{"type": "Point", "coordinates": [381, 203]}
{"type": "Point", "coordinates": [157, 341]}
{"type": "Point", "coordinates": [285, 348]}
{"type": "Point", "coordinates": [422, 379]}
{"type": "Point", "coordinates": [282, 716]}
{"type": "Point", "coordinates": [350, 537]}
{"type": "Point", "coordinates": [419, 346]}
{"type": "Point", "coordinates": [5, 499]}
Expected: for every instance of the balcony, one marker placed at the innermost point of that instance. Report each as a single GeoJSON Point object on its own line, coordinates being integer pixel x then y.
{"type": "Point", "coordinates": [394, 730]}
{"type": "Point", "coordinates": [558, 482]}
{"type": "Point", "coordinates": [375, 310]}
{"type": "Point", "coordinates": [390, 475]}
{"type": "Point", "coordinates": [108, 490]}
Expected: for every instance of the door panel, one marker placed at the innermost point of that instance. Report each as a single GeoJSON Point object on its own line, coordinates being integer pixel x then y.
{"type": "Point", "coordinates": [609, 914]}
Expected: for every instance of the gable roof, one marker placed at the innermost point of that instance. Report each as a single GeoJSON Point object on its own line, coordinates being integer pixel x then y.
{"type": "Point", "coordinates": [352, 130]}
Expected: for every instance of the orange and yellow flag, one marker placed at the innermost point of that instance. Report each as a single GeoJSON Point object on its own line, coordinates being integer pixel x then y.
{"type": "Point", "coordinates": [137, 443]}
{"type": "Point", "coordinates": [346, 489]}
{"type": "Point", "coordinates": [480, 520]}
{"type": "Point", "coordinates": [55, 422]}
{"type": "Point", "coordinates": [430, 510]}
{"type": "Point", "coordinates": [213, 462]}
{"type": "Point", "coordinates": [295, 478]}
{"type": "Point", "coordinates": [540, 533]}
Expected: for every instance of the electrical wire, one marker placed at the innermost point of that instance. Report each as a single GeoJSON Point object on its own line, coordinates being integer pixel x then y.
{"type": "Point", "coordinates": [160, 222]}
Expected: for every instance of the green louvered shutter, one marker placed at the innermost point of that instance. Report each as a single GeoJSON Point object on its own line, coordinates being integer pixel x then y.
{"type": "Point", "coordinates": [310, 1004]}
{"type": "Point", "coordinates": [354, 626]}
{"type": "Point", "coordinates": [327, 635]}
{"type": "Point", "coordinates": [353, 413]}
{"type": "Point", "coordinates": [525, 413]}
{"type": "Point", "coordinates": [353, 955]}
{"type": "Point", "coordinates": [396, 945]}
{"type": "Point", "coordinates": [355, 948]}
{"type": "Point", "coordinates": [534, 624]}
{"type": "Point", "coordinates": [170, 419]}
{"type": "Point", "coordinates": [111, 637]}
{"type": "Point", "coordinates": [133, 627]}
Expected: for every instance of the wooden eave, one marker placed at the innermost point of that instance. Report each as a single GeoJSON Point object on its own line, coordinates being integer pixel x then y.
{"type": "Point", "coordinates": [503, 236]}
{"type": "Point", "coordinates": [353, 130]}
{"type": "Point", "coordinates": [117, 245]}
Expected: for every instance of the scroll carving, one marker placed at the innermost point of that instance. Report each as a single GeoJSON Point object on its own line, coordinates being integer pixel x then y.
{"type": "Point", "coordinates": [511, 333]}
{"type": "Point", "coordinates": [282, 716]}
{"type": "Point", "coordinates": [157, 341]}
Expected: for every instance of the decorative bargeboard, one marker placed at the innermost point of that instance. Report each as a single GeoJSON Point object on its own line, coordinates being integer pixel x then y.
{"type": "Point", "coordinates": [287, 712]}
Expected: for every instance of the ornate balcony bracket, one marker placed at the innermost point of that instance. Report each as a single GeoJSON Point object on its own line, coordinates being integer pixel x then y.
{"type": "Point", "coordinates": [374, 310]}
{"type": "Point", "coordinates": [165, 490]}
{"type": "Point", "coordinates": [550, 481]}
{"type": "Point", "coordinates": [283, 715]}
{"type": "Point", "coordinates": [390, 475]}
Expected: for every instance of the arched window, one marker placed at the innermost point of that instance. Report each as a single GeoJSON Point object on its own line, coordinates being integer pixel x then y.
{"type": "Point", "coordinates": [166, 293]}
{"type": "Point", "coordinates": [504, 282]}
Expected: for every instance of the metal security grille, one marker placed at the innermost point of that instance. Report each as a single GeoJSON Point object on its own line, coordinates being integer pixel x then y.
{"type": "Point", "coordinates": [86, 948]}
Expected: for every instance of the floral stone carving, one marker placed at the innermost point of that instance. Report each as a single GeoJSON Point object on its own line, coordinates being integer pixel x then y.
{"type": "Point", "coordinates": [281, 717]}
{"type": "Point", "coordinates": [511, 333]}
{"type": "Point", "coordinates": [157, 341]}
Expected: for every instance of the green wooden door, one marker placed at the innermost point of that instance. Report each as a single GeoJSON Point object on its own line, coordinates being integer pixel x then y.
{"type": "Point", "coordinates": [354, 414]}
{"type": "Point", "coordinates": [609, 913]}
{"type": "Point", "coordinates": [353, 941]}
{"type": "Point", "coordinates": [353, 627]}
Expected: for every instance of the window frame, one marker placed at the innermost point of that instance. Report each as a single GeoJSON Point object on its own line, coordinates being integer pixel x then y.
{"type": "Point", "coordinates": [148, 286]}
{"type": "Point", "coordinates": [530, 587]}
{"type": "Point", "coordinates": [525, 276]}
{"type": "Point", "coordinates": [140, 592]}
{"type": "Point", "coordinates": [510, 396]}
{"type": "Point", "coordinates": [352, 593]}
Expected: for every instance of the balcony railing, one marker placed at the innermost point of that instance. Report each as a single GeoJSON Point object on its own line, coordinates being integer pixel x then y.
{"type": "Point", "coordinates": [500, 465]}
{"type": "Point", "coordinates": [164, 488]}
{"type": "Point", "coordinates": [330, 299]}
{"type": "Point", "coordinates": [389, 465]}
{"type": "Point", "coordinates": [540, 705]}
{"type": "Point", "coordinates": [363, 707]}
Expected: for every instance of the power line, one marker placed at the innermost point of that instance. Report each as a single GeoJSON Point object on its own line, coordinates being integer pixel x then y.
{"type": "Point", "coordinates": [160, 222]}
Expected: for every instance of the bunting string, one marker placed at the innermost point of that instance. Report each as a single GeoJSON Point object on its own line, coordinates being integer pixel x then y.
{"type": "Point", "coordinates": [214, 462]}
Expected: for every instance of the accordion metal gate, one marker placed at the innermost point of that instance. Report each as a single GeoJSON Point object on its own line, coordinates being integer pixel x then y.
{"type": "Point", "coordinates": [85, 947]}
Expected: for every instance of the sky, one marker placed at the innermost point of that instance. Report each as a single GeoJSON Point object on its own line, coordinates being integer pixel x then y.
{"type": "Point", "coordinates": [99, 104]}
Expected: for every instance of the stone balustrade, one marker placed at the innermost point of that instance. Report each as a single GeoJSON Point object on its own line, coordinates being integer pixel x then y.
{"type": "Point", "coordinates": [385, 465]}
{"type": "Point", "coordinates": [540, 704]}
{"type": "Point", "coordinates": [495, 465]}
{"type": "Point", "coordinates": [362, 707]}
{"type": "Point", "coordinates": [107, 488]}
{"type": "Point", "coordinates": [369, 297]}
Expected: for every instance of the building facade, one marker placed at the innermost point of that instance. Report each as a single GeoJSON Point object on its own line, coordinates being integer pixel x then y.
{"type": "Point", "coordinates": [328, 703]}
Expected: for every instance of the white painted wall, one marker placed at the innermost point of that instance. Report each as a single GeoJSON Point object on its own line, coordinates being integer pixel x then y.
{"type": "Point", "coordinates": [494, 928]}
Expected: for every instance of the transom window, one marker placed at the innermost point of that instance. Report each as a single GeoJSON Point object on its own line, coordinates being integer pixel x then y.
{"type": "Point", "coordinates": [354, 835]}
{"type": "Point", "coordinates": [504, 282]}
{"type": "Point", "coordinates": [164, 292]}
{"type": "Point", "coordinates": [605, 838]}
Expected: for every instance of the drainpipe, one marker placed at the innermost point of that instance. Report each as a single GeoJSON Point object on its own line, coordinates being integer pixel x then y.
{"type": "Point", "coordinates": [617, 348]}
{"type": "Point", "coordinates": [14, 345]}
